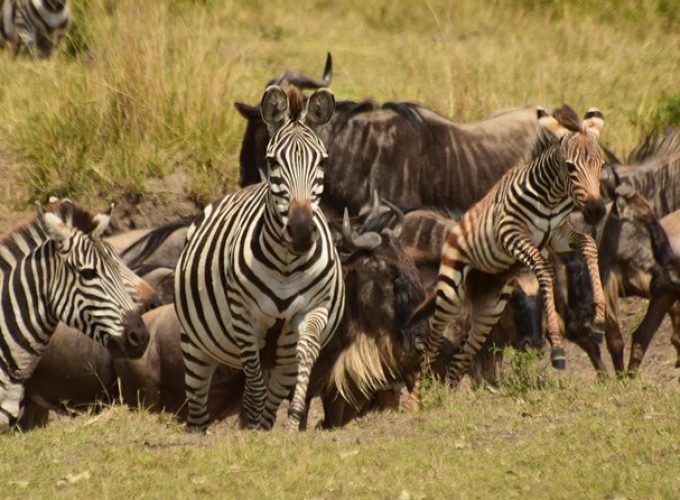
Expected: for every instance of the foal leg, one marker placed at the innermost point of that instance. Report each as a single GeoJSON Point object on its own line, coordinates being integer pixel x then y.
{"type": "Point", "coordinates": [521, 247]}
{"type": "Point", "coordinates": [485, 315]}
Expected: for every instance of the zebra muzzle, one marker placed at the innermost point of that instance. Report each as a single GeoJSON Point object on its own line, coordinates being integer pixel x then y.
{"type": "Point", "coordinates": [135, 338]}
{"type": "Point", "coordinates": [300, 230]}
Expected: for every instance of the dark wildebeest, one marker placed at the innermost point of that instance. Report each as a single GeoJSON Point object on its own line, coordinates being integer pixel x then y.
{"type": "Point", "coordinates": [652, 170]}
{"type": "Point", "coordinates": [415, 156]}
{"type": "Point", "coordinates": [373, 351]}
{"type": "Point", "coordinates": [63, 382]}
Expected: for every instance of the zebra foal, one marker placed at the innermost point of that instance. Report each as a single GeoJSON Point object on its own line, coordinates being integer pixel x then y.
{"type": "Point", "coordinates": [259, 285]}
{"type": "Point", "coordinates": [525, 212]}
{"type": "Point", "coordinates": [33, 26]}
{"type": "Point", "coordinates": [56, 268]}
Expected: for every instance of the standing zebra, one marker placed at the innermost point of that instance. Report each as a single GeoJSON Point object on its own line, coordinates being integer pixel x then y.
{"type": "Point", "coordinates": [259, 283]}
{"type": "Point", "coordinates": [56, 268]}
{"type": "Point", "coordinates": [525, 212]}
{"type": "Point", "coordinates": [33, 26]}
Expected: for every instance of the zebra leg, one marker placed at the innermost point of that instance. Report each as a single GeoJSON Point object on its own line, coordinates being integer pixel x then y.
{"type": "Point", "coordinates": [11, 404]}
{"type": "Point", "coordinates": [281, 382]}
{"type": "Point", "coordinates": [309, 328]}
{"type": "Point", "coordinates": [521, 247]}
{"type": "Point", "coordinates": [450, 295]}
{"type": "Point", "coordinates": [198, 372]}
{"type": "Point", "coordinates": [567, 239]}
{"type": "Point", "coordinates": [485, 315]}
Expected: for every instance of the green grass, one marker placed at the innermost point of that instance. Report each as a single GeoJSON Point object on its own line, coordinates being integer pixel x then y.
{"type": "Point", "coordinates": [602, 441]}
{"type": "Point", "coordinates": [142, 89]}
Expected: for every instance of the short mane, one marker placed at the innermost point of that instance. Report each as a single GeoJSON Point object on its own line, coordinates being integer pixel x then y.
{"type": "Point", "coordinates": [294, 102]}
{"type": "Point", "coordinates": [567, 117]}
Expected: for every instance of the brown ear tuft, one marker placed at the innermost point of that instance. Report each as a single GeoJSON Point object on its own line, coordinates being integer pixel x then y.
{"type": "Point", "coordinates": [567, 117]}
{"type": "Point", "coordinates": [294, 102]}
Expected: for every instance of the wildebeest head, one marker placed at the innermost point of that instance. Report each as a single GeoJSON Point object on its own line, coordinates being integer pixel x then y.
{"type": "Point", "coordinates": [295, 158]}
{"type": "Point", "coordinates": [634, 241]}
{"type": "Point", "coordinates": [581, 156]}
{"type": "Point", "coordinates": [382, 288]}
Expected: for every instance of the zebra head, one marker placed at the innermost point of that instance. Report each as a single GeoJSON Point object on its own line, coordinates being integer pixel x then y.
{"type": "Point", "coordinates": [92, 290]}
{"type": "Point", "coordinates": [581, 158]}
{"type": "Point", "coordinates": [295, 158]}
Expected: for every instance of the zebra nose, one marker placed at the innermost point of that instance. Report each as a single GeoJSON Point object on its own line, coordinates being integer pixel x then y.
{"type": "Point", "coordinates": [135, 335]}
{"type": "Point", "coordinates": [593, 210]}
{"type": "Point", "coordinates": [301, 228]}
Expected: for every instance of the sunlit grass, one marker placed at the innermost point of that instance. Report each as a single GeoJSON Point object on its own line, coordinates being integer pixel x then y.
{"type": "Point", "coordinates": [145, 88]}
{"type": "Point", "coordinates": [601, 441]}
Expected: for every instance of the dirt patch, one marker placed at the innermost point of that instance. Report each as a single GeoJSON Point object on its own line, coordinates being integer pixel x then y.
{"type": "Point", "coordinates": [167, 201]}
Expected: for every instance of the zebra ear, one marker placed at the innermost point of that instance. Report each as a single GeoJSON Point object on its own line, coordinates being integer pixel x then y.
{"type": "Point", "coordinates": [274, 107]}
{"type": "Point", "coordinates": [102, 221]}
{"type": "Point", "coordinates": [54, 227]}
{"type": "Point", "coordinates": [320, 107]}
{"type": "Point", "coordinates": [549, 123]}
{"type": "Point", "coordinates": [593, 121]}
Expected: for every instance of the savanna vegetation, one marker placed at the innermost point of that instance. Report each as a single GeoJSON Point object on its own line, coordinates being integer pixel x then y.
{"type": "Point", "coordinates": [142, 90]}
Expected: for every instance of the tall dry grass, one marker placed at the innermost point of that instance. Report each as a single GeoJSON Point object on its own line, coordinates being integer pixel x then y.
{"type": "Point", "coordinates": [142, 89]}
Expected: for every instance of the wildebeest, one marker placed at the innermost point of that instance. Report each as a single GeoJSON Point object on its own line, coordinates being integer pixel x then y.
{"type": "Point", "coordinates": [653, 169]}
{"type": "Point", "coordinates": [413, 155]}
{"type": "Point", "coordinates": [633, 247]}
{"type": "Point", "coordinates": [373, 350]}
{"type": "Point", "coordinates": [76, 372]}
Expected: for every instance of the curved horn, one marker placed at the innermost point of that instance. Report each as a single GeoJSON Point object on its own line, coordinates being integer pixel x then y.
{"type": "Point", "coordinates": [399, 224]}
{"type": "Point", "coordinates": [346, 229]}
{"type": "Point", "coordinates": [305, 82]}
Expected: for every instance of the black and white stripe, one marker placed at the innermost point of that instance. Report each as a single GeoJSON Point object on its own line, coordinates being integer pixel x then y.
{"type": "Point", "coordinates": [53, 269]}
{"type": "Point", "coordinates": [33, 26]}
{"type": "Point", "coordinates": [259, 285]}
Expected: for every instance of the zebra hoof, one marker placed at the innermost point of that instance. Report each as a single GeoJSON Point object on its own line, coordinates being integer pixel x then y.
{"type": "Point", "coordinates": [597, 332]}
{"type": "Point", "coordinates": [197, 429]}
{"type": "Point", "coordinates": [559, 359]}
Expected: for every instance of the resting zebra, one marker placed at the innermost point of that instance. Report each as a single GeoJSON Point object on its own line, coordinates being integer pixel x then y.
{"type": "Point", "coordinates": [33, 26]}
{"type": "Point", "coordinates": [54, 269]}
{"type": "Point", "coordinates": [260, 271]}
{"type": "Point", "coordinates": [526, 211]}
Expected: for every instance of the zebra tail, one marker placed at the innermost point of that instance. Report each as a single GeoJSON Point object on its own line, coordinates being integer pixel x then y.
{"type": "Point", "coordinates": [424, 310]}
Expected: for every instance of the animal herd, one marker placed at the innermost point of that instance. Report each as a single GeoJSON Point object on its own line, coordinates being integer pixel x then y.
{"type": "Point", "coordinates": [369, 246]}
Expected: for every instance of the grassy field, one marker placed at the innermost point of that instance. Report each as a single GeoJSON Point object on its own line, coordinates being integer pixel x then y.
{"type": "Point", "coordinates": [144, 89]}
{"type": "Point", "coordinates": [600, 441]}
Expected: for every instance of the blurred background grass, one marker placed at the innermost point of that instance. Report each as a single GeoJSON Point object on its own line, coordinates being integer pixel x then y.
{"type": "Point", "coordinates": [143, 89]}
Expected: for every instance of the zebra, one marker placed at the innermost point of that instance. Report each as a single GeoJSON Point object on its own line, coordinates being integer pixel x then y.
{"type": "Point", "coordinates": [56, 268]}
{"type": "Point", "coordinates": [33, 26]}
{"type": "Point", "coordinates": [523, 214]}
{"type": "Point", "coordinates": [259, 283]}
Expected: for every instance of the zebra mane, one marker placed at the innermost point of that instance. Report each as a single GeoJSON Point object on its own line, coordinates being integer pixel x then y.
{"type": "Point", "coordinates": [657, 143]}
{"type": "Point", "coordinates": [295, 99]}
{"type": "Point", "coordinates": [29, 235]}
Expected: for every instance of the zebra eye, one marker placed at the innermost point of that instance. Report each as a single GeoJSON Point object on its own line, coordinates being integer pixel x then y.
{"type": "Point", "coordinates": [571, 168]}
{"type": "Point", "coordinates": [88, 273]}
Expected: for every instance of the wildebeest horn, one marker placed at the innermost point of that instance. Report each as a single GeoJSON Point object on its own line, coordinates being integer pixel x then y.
{"type": "Point", "coordinates": [366, 241]}
{"type": "Point", "coordinates": [305, 82]}
{"type": "Point", "coordinates": [399, 224]}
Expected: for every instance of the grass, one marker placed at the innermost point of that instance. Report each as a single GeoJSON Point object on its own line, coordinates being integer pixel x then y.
{"type": "Point", "coordinates": [602, 441]}
{"type": "Point", "coordinates": [143, 89]}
